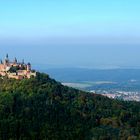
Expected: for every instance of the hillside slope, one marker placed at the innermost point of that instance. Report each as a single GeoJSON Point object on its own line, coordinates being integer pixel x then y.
{"type": "Point", "coordinates": [42, 109]}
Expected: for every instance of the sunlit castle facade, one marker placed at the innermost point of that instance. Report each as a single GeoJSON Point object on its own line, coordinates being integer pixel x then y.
{"type": "Point", "coordinates": [16, 69]}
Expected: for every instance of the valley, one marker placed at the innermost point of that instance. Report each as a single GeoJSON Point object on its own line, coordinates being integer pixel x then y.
{"type": "Point", "coordinates": [123, 84]}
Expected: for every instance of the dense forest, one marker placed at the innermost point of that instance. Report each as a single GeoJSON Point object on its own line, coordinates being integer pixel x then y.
{"type": "Point", "coordinates": [42, 109]}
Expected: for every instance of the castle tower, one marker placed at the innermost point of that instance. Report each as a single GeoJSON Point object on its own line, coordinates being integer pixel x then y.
{"type": "Point", "coordinates": [6, 61]}
{"type": "Point", "coordinates": [7, 56]}
{"type": "Point", "coordinates": [28, 67]}
{"type": "Point", "coordinates": [1, 62]}
{"type": "Point", "coordinates": [15, 60]}
{"type": "Point", "coordinates": [22, 61]}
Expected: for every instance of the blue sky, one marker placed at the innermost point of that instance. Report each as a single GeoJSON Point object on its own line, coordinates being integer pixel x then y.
{"type": "Point", "coordinates": [59, 31]}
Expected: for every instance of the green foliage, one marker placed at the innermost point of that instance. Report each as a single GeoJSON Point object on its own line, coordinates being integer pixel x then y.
{"type": "Point", "coordinates": [14, 69]}
{"type": "Point", "coordinates": [42, 109]}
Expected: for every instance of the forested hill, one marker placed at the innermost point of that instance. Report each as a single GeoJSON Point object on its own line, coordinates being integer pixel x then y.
{"type": "Point", "coordinates": [42, 109]}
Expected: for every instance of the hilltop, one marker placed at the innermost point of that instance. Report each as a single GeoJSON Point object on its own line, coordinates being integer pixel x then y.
{"type": "Point", "coordinates": [43, 109]}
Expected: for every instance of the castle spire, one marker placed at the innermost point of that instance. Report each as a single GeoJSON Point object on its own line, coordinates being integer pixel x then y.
{"type": "Point", "coordinates": [7, 56]}
{"type": "Point", "coordinates": [15, 61]}
{"type": "Point", "coordinates": [22, 61]}
{"type": "Point", "coordinates": [6, 61]}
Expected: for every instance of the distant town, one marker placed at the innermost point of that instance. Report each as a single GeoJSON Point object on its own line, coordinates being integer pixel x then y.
{"type": "Point", "coordinates": [121, 95]}
{"type": "Point", "coordinates": [129, 93]}
{"type": "Point", "coordinates": [15, 69]}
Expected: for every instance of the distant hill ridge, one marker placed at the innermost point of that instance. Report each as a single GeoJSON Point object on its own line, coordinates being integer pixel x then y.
{"type": "Point", "coordinates": [83, 74]}
{"type": "Point", "coordinates": [41, 108]}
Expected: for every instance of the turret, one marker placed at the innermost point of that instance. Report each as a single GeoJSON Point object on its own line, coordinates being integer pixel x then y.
{"type": "Point", "coordinates": [28, 67]}
{"type": "Point", "coordinates": [7, 56]}
{"type": "Point", "coordinates": [23, 61]}
{"type": "Point", "coordinates": [15, 60]}
{"type": "Point", "coordinates": [6, 61]}
{"type": "Point", "coordinates": [1, 62]}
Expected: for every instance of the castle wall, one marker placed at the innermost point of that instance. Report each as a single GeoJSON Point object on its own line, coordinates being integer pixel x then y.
{"type": "Point", "coordinates": [18, 77]}
{"type": "Point", "coordinates": [2, 67]}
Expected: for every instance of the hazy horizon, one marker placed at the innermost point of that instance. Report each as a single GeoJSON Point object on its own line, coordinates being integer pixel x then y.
{"type": "Point", "coordinates": [89, 34]}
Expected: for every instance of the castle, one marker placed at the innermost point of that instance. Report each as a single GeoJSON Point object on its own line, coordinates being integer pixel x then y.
{"type": "Point", "coordinates": [16, 69]}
